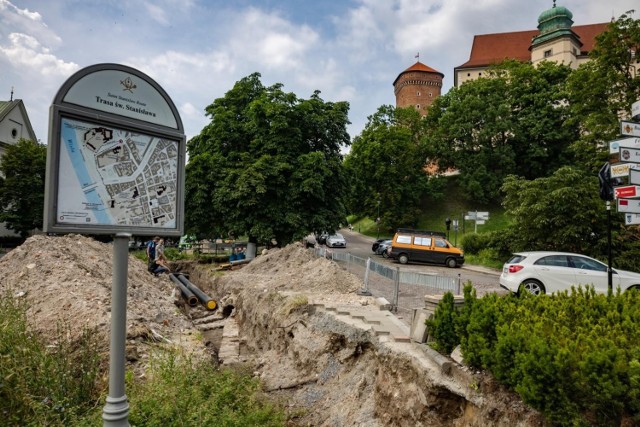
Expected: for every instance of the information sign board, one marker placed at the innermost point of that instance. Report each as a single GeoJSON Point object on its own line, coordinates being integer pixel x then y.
{"type": "Point", "coordinates": [629, 205]}
{"type": "Point", "coordinates": [631, 219]}
{"type": "Point", "coordinates": [614, 146]}
{"type": "Point", "coordinates": [619, 170]}
{"type": "Point", "coordinates": [629, 128]}
{"type": "Point", "coordinates": [635, 110]}
{"type": "Point", "coordinates": [630, 155]}
{"type": "Point", "coordinates": [116, 156]}
{"type": "Point", "coordinates": [634, 177]}
{"type": "Point", "coordinates": [627, 191]}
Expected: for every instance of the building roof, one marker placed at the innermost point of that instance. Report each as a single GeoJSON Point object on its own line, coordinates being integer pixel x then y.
{"type": "Point", "coordinates": [7, 106]}
{"type": "Point", "coordinates": [488, 49]}
{"type": "Point", "coordinates": [418, 66]}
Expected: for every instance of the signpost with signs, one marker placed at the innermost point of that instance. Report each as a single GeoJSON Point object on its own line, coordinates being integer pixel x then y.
{"type": "Point", "coordinates": [479, 218]}
{"type": "Point", "coordinates": [115, 166]}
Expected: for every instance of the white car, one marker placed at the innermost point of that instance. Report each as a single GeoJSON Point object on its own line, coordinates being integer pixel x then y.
{"type": "Point", "coordinates": [548, 272]}
{"type": "Point", "coordinates": [336, 241]}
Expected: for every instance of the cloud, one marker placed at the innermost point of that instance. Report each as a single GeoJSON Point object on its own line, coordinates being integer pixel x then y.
{"type": "Point", "coordinates": [25, 21]}
{"type": "Point", "coordinates": [25, 52]}
{"type": "Point", "coordinates": [156, 13]}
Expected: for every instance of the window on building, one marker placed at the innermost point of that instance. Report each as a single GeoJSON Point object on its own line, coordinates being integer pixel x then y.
{"type": "Point", "coordinates": [418, 106]}
{"type": "Point", "coordinates": [547, 53]}
{"type": "Point", "coordinates": [430, 94]}
{"type": "Point", "coordinates": [479, 74]}
{"type": "Point", "coordinates": [468, 74]}
{"type": "Point", "coordinates": [418, 93]}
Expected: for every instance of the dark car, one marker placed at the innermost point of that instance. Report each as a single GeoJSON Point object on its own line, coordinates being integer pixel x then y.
{"type": "Point", "coordinates": [383, 247]}
{"type": "Point", "coordinates": [374, 247]}
{"type": "Point", "coordinates": [321, 238]}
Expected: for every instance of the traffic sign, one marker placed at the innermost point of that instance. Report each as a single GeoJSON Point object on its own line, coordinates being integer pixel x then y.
{"type": "Point", "coordinates": [635, 110]}
{"type": "Point", "coordinates": [629, 128]}
{"type": "Point", "coordinates": [630, 154]}
{"type": "Point", "coordinates": [482, 215]}
{"type": "Point", "coordinates": [631, 219]}
{"type": "Point", "coordinates": [629, 205]}
{"type": "Point", "coordinates": [470, 217]}
{"type": "Point", "coordinates": [634, 177]}
{"type": "Point", "coordinates": [627, 191]}
{"type": "Point", "coordinates": [614, 146]}
{"type": "Point", "coordinates": [480, 221]}
{"type": "Point", "coordinates": [619, 170]}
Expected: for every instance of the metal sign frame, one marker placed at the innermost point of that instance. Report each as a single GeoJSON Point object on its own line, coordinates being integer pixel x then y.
{"type": "Point", "coordinates": [71, 108]}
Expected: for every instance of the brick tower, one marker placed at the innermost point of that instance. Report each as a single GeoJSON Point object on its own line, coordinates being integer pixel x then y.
{"type": "Point", "coordinates": [417, 86]}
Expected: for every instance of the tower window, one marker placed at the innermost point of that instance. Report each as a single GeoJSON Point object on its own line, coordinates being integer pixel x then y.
{"type": "Point", "coordinates": [418, 93]}
{"type": "Point", "coordinates": [418, 106]}
{"type": "Point", "coordinates": [547, 53]}
{"type": "Point", "coordinates": [14, 133]}
{"type": "Point", "coordinates": [468, 74]}
{"type": "Point", "coordinates": [430, 94]}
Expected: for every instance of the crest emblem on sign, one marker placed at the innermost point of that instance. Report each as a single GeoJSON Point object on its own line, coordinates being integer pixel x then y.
{"type": "Point", "coordinates": [625, 154]}
{"type": "Point", "coordinates": [128, 84]}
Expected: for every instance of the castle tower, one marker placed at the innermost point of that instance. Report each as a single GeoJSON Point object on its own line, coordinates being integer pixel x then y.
{"type": "Point", "coordinates": [557, 41]}
{"type": "Point", "coordinates": [417, 86]}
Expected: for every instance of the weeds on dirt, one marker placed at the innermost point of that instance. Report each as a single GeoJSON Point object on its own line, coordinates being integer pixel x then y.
{"type": "Point", "coordinates": [181, 391]}
{"type": "Point", "coordinates": [43, 384]}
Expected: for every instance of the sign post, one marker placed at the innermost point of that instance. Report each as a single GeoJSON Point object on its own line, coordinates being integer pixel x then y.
{"type": "Point", "coordinates": [115, 166]}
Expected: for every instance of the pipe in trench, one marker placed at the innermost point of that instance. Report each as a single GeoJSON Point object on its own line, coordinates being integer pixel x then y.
{"type": "Point", "coordinates": [206, 300]}
{"type": "Point", "coordinates": [192, 300]}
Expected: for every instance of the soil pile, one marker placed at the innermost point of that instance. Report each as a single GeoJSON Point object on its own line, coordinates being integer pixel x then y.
{"type": "Point", "coordinates": [66, 281]}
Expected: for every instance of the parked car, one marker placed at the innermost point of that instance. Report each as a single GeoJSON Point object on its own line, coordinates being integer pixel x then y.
{"type": "Point", "coordinates": [336, 241]}
{"type": "Point", "coordinates": [383, 247]}
{"type": "Point", "coordinates": [376, 243]}
{"type": "Point", "coordinates": [411, 245]}
{"type": "Point", "coordinates": [543, 272]}
{"type": "Point", "coordinates": [321, 238]}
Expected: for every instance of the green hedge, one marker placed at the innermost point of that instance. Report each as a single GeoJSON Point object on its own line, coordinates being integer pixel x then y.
{"type": "Point", "coordinates": [575, 356]}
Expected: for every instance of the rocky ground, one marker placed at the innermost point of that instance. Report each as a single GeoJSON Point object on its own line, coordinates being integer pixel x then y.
{"type": "Point", "coordinates": [326, 372]}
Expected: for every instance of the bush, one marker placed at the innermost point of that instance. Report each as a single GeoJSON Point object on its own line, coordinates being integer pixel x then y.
{"type": "Point", "coordinates": [573, 356]}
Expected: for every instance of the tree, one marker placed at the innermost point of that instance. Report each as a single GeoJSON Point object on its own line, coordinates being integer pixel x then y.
{"type": "Point", "coordinates": [511, 122]}
{"type": "Point", "coordinates": [386, 168]}
{"type": "Point", "coordinates": [604, 88]}
{"type": "Point", "coordinates": [268, 165]}
{"type": "Point", "coordinates": [562, 212]}
{"type": "Point", "coordinates": [23, 167]}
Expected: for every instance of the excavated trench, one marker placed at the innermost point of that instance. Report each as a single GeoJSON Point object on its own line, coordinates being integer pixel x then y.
{"type": "Point", "coordinates": [330, 370]}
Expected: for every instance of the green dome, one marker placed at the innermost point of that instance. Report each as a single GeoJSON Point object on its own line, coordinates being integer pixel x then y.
{"type": "Point", "coordinates": [558, 15]}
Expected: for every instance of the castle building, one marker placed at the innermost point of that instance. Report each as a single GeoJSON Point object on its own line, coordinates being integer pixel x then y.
{"type": "Point", "coordinates": [417, 86]}
{"type": "Point", "coordinates": [556, 39]}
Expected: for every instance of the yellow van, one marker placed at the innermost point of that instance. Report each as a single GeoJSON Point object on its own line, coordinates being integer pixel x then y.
{"type": "Point", "coordinates": [424, 246]}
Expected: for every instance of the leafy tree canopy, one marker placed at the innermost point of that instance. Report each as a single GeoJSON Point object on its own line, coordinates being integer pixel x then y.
{"type": "Point", "coordinates": [604, 88]}
{"type": "Point", "coordinates": [510, 122]}
{"type": "Point", "coordinates": [562, 212]}
{"type": "Point", "coordinates": [268, 165]}
{"type": "Point", "coordinates": [23, 167]}
{"type": "Point", "coordinates": [386, 168]}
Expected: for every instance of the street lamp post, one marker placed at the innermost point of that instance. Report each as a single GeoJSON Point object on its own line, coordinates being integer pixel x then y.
{"type": "Point", "coordinates": [378, 221]}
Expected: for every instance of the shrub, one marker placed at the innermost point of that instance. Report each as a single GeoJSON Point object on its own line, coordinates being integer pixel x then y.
{"type": "Point", "coordinates": [573, 356]}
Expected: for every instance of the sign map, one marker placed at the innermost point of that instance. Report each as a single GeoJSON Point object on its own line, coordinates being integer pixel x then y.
{"type": "Point", "coordinates": [117, 177]}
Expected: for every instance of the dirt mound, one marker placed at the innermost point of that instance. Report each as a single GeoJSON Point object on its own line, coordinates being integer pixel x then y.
{"type": "Point", "coordinates": [67, 281]}
{"type": "Point", "coordinates": [295, 268]}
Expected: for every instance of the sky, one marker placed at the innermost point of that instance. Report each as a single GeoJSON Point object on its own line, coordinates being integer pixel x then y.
{"type": "Point", "coordinates": [349, 50]}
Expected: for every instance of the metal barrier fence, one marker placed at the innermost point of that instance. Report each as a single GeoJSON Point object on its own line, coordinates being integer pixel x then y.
{"type": "Point", "coordinates": [405, 290]}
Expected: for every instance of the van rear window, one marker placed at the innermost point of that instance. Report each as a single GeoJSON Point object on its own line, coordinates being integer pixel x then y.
{"type": "Point", "coordinates": [403, 239]}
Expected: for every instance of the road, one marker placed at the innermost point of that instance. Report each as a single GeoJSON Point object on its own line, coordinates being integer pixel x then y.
{"type": "Point", "coordinates": [484, 280]}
